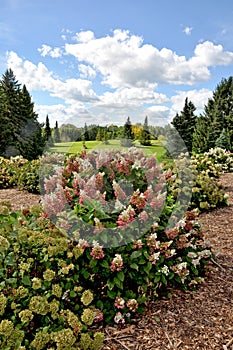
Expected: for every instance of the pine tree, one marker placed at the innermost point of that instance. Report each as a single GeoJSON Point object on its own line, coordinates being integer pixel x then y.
{"type": "Point", "coordinates": [223, 141]}
{"type": "Point", "coordinates": [219, 111]}
{"type": "Point", "coordinates": [48, 132]}
{"type": "Point", "coordinates": [86, 134]}
{"type": "Point", "coordinates": [145, 137]}
{"type": "Point", "coordinates": [20, 132]}
{"type": "Point", "coordinates": [185, 123]}
{"type": "Point", "coordinates": [56, 135]}
{"type": "Point", "coordinates": [128, 136]}
{"type": "Point", "coordinates": [99, 135]}
{"type": "Point", "coordinates": [200, 135]}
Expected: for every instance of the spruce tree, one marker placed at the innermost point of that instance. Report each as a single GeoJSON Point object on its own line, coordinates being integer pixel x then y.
{"type": "Point", "coordinates": [223, 141]}
{"type": "Point", "coordinates": [185, 123]}
{"type": "Point", "coordinates": [200, 135]}
{"type": "Point", "coordinates": [48, 132]}
{"type": "Point", "coordinates": [20, 132]}
{"type": "Point", "coordinates": [56, 134]}
{"type": "Point", "coordinates": [219, 111]}
{"type": "Point", "coordinates": [127, 136]}
{"type": "Point", "coordinates": [145, 137]}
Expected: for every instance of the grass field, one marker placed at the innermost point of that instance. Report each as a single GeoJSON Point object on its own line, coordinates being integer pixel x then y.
{"type": "Point", "coordinates": [75, 147]}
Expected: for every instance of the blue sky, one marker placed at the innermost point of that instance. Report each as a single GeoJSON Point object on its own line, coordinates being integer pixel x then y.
{"type": "Point", "coordinates": [101, 61]}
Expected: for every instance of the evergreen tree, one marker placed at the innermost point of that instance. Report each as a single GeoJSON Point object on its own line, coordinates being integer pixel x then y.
{"type": "Point", "coordinates": [223, 141]}
{"type": "Point", "coordinates": [105, 139]}
{"type": "Point", "coordinates": [21, 133]}
{"type": "Point", "coordinates": [56, 135]}
{"type": "Point", "coordinates": [219, 112]}
{"type": "Point", "coordinates": [185, 123]}
{"type": "Point", "coordinates": [127, 136]}
{"type": "Point", "coordinates": [99, 135]}
{"type": "Point", "coordinates": [86, 134]}
{"type": "Point", "coordinates": [200, 135]}
{"type": "Point", "coordinates": [48, 132]}
{"type": "Point", "coordinates": [9, 113]}
{"type": "Point", "coordinates": [145, 137]}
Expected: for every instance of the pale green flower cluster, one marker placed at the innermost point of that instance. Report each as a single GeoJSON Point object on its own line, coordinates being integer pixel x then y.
{"type": "Point", "coordinates": [36, 283]}
{"type": "Point", "coordinates": [26, 316]}
{"type": "Point", "coordinates": [88, 316]}
{"type": "Point", "coordinates": [22, 292]}
{"type": "Point", "coordinates": [10, 337]}
{"type": "Point", "coordinates": [24, 267]}
{"type": "Point", "coordinates": [77, 251]}
{"type": "Point", "coordinates": [71, 319]}
{"type": "Point", "coordinates": [40, 340]}
{"type": "Point", "coordinates": [87, 297]}
{"type": "Point", "coordinates": [87, 343]}
{"type": "Point", "coordinates": [49, 275]}
{"type": "Point", "coordinates": [64, 339]}
{"type": "Point", "coordinates": [39, 305]}
{"type": "Point", "coordinates": [3, 301]}
{"type": "Point", "coordinates": [54, 308]}
{"type": "Point", "coordinates": [57, 290]}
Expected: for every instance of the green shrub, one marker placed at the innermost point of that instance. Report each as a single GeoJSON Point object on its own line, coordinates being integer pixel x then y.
{"type": "Point", "coordinates": [207, 192]}
{"type": "Point", "coordinates": [28, 176]}
{"type": "Point", "coordinates": [56, 286]}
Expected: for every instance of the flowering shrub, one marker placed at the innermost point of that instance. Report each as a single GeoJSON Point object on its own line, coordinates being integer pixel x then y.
{"type": "Point", "coordinates": [111, 197]}
{"type": "Point", "coordinates": [42, 303]}
{"type": "Point", "coordinates": [207, 192]}
{"type": "Point", "coordinates": [21, 173]}
{"type": "Point", "coordinates": [220, 156]}
{"type": "Point", "coordinates": [57, 284]}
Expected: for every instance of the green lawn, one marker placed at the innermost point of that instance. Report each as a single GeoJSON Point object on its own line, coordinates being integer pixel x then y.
{"type": "Point", "coordinates": [75, 147]}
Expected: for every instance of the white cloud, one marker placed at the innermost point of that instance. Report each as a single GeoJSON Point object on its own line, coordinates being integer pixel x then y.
{"type": "Point", "coordinates": [133, 71]}
{"type": "Point", "coordinates": [47, 50]}
{"type": "Point", "coordinates": [37, 77]}
{"type": "Point", "coordinates": [84, 36]}
{"type": "Point", "coordinates": [209, 54]}
{"type": "Point", "coordinates": [74, 114]}
{"type": "Point", "coordinates": [86, 71]}
{"type": "Point", "coordinates": [187, 30]}
{"type": "Point", "coordinates": [134, 96]}
{"type": "Point", "coordinates": [44, 50]}
{"type": "Point", "coordinates": [198, 97]}
{"type": "Point", "coordinates": [124, 61]}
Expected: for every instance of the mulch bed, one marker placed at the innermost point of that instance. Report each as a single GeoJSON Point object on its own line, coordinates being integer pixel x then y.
{"type": "Point", "coordinates": [201, 319]}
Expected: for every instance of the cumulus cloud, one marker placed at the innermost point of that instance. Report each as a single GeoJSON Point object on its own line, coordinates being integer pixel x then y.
{"type": "Point", "coordinates": [86, 71]}
{"type": "Point", "coordinates": [198, 97]}
{"type": "Point", "coordinates": [47, 50]}
{"type": "Point", "coordinates": [187, 30]}
{"type": "Point", "coordinates": [130, 73]}
{"type": "Point", "coordinates": [38, 77]}
{"type": "Point", "coordinates": [124, 60]}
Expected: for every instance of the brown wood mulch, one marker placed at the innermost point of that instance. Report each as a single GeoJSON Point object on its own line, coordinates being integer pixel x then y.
{"type": "Point", "coordinates": [201, 319]}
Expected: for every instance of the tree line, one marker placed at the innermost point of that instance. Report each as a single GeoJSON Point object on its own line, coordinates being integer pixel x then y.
{"type": "Point", "coordinates": [21, 133]}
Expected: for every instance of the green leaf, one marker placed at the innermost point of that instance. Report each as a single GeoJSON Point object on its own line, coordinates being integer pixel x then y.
{"type": "Point", "coordinates": [147, 268]}
{"type": "Point", "coordinates": [157, 278]}
{"type": "Point", "coordinates": [105, 264]}
{"type": "Point", "coordinates": [110, 284]}
{"type": "Point", "coordinates": [26, 280]}
{"type": "Point", "coordinates": [111, 294]}
{"type": "Point", "coordinates": [121, 276]}
{"type": "Point", "coordinates": [134, 266]}
{"type": "Point", "coordinates": [135, 254]}
{"type": "Point", "coordinates": [100, 304]}
{"type": "Point", "coordinates": [118, 283]}
{"type": "Point", "coordinates": [163, 279]}
{"type": "Point", "coordinates": [73, 294]}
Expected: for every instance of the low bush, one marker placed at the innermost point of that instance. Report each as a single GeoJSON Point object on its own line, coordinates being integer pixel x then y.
{"type": "Point", "coordinates": [207, 192]}
{"type": "Point", "coordinates": [56, 285]}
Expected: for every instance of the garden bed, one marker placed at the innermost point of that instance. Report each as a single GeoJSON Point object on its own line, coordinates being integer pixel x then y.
{"type": "Point", "coordinates": [201, 319]}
